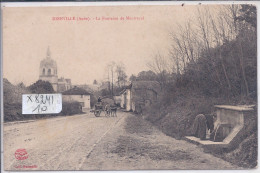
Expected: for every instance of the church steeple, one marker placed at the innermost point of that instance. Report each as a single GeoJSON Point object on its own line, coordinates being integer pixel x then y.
{"type": "Point", "coordinates": [48, 56]}
{"type": "Point", "coordinates": [48, 70]}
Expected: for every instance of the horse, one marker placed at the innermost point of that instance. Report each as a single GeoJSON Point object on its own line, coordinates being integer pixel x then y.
{"type": "Point", "coordinates": [108, 110]}
{"type": "Point", "coordinates": [113, 111]}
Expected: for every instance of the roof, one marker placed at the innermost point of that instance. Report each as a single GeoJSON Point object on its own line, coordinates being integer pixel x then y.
{"type": "Point", "coordinates": [125, 88]}
{"type": "Point", "coordinates": [152, 85]}
{"type": "Point", "coordinates": [237, 108]}
{"type": "Point", "coordinates": [121, 92]}
{"type": "Point", "coordinates": [76, 91]}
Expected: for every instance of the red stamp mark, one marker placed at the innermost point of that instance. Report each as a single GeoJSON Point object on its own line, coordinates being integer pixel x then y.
{"type": "Point", "coordinates": [21, 154]}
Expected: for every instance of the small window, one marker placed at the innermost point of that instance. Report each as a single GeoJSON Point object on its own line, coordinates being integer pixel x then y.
{"type": "Point", "coordinates": [43, 71]}
{"type": "Point", "coordinates": [49, 71]}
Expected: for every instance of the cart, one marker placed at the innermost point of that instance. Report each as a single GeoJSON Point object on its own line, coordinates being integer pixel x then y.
{"type": "Point", "coordinates": [98, 109]}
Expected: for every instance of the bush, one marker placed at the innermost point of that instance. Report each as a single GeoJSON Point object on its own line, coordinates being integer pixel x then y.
{"type": "Point", "coordinates": [12, 112]}
{"type": "Point", "coordinates": [70, 108]}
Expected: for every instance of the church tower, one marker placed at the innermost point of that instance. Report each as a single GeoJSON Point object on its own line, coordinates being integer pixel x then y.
{"type": "Point", "coordinates": [48, 70]}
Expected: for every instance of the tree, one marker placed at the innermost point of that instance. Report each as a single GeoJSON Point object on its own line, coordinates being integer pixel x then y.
{"type": "Point", "coordinates": [21, 85]}
{"type": "Point", "coordinates": [41, 87]}
{"type": "Point", "coordinates": [112, 68]}
{"type": "Point", "coordinates": [161, 67]}
{"type": "Point", "coordinates": [248, 14]}
{"type": "Point", "coordinates": [246, 21]}
{"type": "Point", "coordinates": [110, 76]}
{"type": "Point", "coordinates": [121, 75]}
{"type": "Point", "coordinates": [13, 93]}
{"type": "Point", "coordinates": [105, 92]}
{"type": "Point", "coordinates": [95, 82]}
{"type": "Point", "coordinates": [146, 75]}
{"type": "Point", "coordinates": [132, 78]}
{"type": "Point", "coordinates": [219, 47]}
{"type": "Point", "coordinates": [115, 76]}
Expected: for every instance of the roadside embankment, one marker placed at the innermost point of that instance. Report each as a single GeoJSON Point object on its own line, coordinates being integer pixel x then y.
{"type": "Point", "coordinates": [176, 120]}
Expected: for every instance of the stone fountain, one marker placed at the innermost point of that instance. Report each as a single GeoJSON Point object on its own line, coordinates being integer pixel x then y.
{"type": "Point", "coordinates": [229, 126]}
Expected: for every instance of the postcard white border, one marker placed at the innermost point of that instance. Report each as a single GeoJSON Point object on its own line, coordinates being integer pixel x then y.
{"type": "Point", "coordinates": [126, 3]}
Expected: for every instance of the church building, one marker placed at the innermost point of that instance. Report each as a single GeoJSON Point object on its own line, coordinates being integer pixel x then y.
{"type": "Point", "coordinates": [48, 72]}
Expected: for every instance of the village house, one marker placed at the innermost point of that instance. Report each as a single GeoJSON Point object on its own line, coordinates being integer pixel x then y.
{"type": "Point", "coordinates": [139, 94]}
{"type": "Point", "coordinates": [77, 94]}
{"type": "Point", "coordinates": [126, 98]}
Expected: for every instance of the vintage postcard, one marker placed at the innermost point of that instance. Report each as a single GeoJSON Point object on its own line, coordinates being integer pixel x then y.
{"type": "Point", "coordinates": [130, 87]}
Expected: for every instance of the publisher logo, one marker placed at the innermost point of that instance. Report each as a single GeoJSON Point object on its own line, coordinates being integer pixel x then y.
{"type": "Point", "coordinates": [21, 154]}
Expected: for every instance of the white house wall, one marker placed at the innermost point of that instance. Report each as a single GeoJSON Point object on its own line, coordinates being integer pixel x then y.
{"type": "Point", "coordinates": [122, 100]}
{"type": "Point", "coordinates": [78, 98]}
{"type": "Point", "coordinates": [128, 100]}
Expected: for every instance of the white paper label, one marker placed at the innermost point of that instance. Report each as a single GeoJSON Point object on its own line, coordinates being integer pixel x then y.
{"type": "Point", "coordinates": [42, 103]}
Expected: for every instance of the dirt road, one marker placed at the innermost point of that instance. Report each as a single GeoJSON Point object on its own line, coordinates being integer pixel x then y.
{"type": "Point", "coordinates": [84, 142]}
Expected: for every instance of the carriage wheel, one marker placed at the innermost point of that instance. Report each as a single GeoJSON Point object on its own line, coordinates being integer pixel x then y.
{"type": "Point", "coordinates": [97, 113]}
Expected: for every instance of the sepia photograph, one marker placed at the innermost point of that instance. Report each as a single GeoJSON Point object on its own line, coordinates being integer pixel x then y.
{"type": "Point", "coordinates": [130, 87]}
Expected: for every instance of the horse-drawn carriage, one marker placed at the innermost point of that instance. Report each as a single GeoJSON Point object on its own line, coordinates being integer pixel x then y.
{"type": "Point", "coordinates": [98, 109]}
{"type": "Point", "coordinates": [108, 107]}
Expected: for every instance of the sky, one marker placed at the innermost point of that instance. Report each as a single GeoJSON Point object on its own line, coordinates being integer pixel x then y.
{"type": "Point", "coordinates": [82, 49]}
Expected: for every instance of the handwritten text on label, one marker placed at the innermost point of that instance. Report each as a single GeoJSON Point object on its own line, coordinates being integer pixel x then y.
{"type": "Point", "coordinates": [42, 103]}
